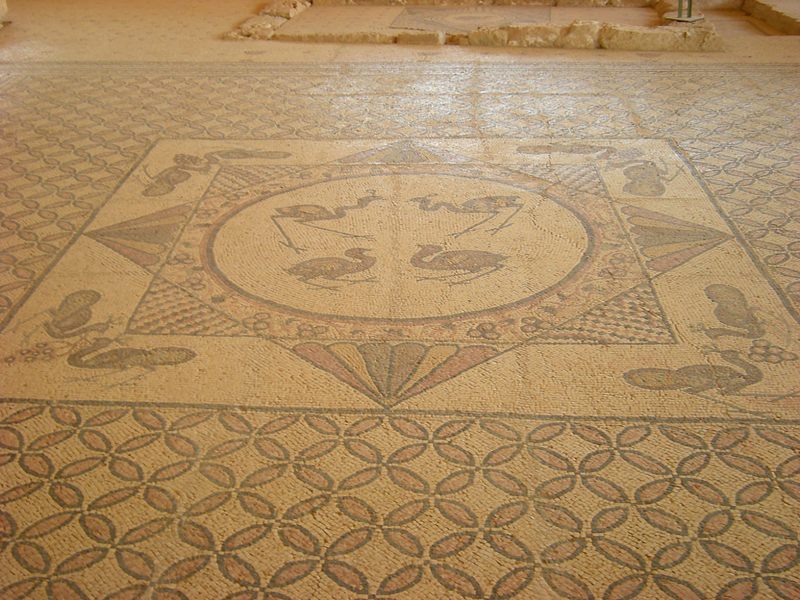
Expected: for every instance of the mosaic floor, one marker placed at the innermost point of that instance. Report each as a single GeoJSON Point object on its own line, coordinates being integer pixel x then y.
{"type": "Point", "coordinates": [413, 331]}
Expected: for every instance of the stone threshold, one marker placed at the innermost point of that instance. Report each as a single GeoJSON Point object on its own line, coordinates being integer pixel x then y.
{"type": "Point", "coordinates": [575, 35]}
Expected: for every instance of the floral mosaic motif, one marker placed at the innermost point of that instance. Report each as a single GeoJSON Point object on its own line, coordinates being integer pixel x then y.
{"type": "Point", "coordinates": [273, 504]}
{"type": "Point", "coordinates": [144, 240]}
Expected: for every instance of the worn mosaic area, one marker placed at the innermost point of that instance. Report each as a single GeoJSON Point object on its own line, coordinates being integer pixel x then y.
{"type": "Point", "coordinates": [501, 332]}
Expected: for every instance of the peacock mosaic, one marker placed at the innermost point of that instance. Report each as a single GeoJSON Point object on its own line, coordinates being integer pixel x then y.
{"type": "Point", "coordinates": [393, 267]}
{"type": "Point", "coordinates": [412, 331]}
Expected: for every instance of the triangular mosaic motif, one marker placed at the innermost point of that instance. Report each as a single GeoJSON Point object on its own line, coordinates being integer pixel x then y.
{"type": "Point", "coordinates": [390, 373]}
{"type": "Point", "coordinates": [167, 309]}
{"type": "Point", "coordinates": [146, 239]}
{"type": "Point", "coordinates": [403, 153]}
{"type": "Point", "coordinates": [668, 242]}
{"type": "Point", "coordinates": [633, 317]}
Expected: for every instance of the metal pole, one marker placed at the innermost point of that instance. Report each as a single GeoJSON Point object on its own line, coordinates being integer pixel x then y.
{"type": "Point", "coordinates": [684, 14]}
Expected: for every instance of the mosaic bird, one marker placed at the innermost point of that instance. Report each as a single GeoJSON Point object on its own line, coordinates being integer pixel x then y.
{"type": "Point", "coordinates": [483, 205]}
{"type": "Point", "coordinates": [70, 318]}
{"type": "Point", "coordinates": [699, 378]}
{"type": "Point", "coordinates": [332, 268]}
{"type": "Point", "coordinates": [462, 262]}
{"type": "Point", "coordinates": [309, 214]}
{"type": "Point", "coordinates": [120, 359]}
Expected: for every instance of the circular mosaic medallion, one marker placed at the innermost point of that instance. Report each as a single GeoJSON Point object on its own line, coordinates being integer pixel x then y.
{"type": "Point", "coordinates": [398, 247]}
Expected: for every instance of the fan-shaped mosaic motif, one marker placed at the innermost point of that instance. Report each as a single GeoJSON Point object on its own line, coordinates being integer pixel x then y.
{"type": "Point", "coordinates": [504, 332]}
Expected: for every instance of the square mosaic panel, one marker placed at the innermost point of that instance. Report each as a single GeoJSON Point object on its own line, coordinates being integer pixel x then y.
{"type": "Point", "coordinates": [392, 267]}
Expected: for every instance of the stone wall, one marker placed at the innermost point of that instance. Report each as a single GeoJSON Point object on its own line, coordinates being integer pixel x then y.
{"type": "Point", "coordinates": [781, 15]}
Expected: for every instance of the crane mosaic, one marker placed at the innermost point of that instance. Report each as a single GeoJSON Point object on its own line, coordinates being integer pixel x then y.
{"type": "Point", "coordinates": [309, 215]}
{"type": "Point", "coordinates": [493, 206]}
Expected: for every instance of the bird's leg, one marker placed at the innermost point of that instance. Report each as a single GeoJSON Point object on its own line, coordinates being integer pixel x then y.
{"type": "Point", "coordinates": [507, 221]}
{"type": "Point", "coordinates": [289, 243]}
{"type": "Point", "coordinates": [475, 225]}
{"type": "Point", "coordinates": [478, 276]}
{"type": "Point", "coordinates": [336, 231]}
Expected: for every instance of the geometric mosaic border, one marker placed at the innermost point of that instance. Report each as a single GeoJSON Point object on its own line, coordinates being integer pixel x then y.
{"type": "Point", "coordinates": [277, 504]}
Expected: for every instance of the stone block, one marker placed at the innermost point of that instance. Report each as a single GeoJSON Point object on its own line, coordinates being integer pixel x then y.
{"type": "Point", "coordinates": [535, 35]}
{"type": "Point", "coordinates": [581, 34]}
{"type": "Point", "coordinates": [429, 38]}
{"type": "Point", "coordinates": [285, 8]}
{"type": "Point", "coordinates": [261, 27]}
{"type": "Point", "coordinates": [456, 39]}
{"type": "Point", "coordinates": [488, 36]}
{"type": "Point", "coordinates": [680, 38]}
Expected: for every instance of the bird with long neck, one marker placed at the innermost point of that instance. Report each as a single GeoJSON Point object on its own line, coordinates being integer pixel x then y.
{"type": "Point", "coordinates": [479, 263]}
{"type": "Point", "coordinates": [482, 205]}
{"type": "Point", "coordinates": [333, 268]}
{"type": "Point", "coordinates": [309, 214]}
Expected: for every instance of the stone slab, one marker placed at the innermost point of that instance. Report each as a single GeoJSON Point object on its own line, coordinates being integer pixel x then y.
{"type": "Point", "coordinates": [369, 24]}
